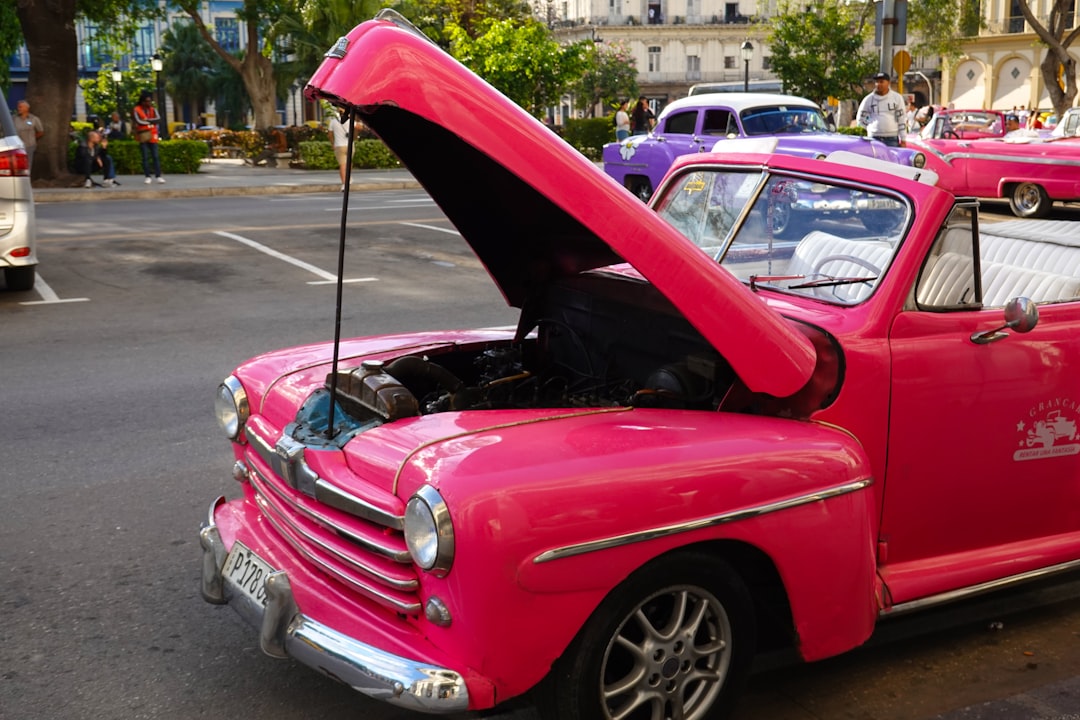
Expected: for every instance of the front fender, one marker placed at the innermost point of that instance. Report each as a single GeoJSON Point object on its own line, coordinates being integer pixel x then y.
{"type": "Point", "coordinates": [550, 517]}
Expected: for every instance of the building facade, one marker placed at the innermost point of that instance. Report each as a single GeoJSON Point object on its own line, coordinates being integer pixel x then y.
{"type": "Point", "coordinates": [1000, 66]}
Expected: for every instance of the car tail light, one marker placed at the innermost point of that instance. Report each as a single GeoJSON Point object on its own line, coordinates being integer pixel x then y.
{"type": "Point", "coordinates": [20, 252]}
{"type": "Point", "coordinates": [14, 163]}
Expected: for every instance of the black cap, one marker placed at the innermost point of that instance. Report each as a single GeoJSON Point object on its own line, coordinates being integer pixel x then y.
{"type": "Point", "coordinates": [882, 76]}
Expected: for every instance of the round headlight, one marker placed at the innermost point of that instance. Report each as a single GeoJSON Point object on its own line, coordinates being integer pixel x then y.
{"type": "Point", "coordinates": [429, 534]}
{"type": "Point", "coordinates": [231, 407]}
{"type": "Point", "coordinates": [918, 160]}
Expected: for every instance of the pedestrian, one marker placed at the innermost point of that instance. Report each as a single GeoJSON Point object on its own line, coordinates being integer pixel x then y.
{"type": "Point", "coordinates": [882, 113]}
{"type": "Point", "coordinates": [117, 128]}
{"type": "Point", "coordinates": [146, 121]}
{"type": "Point", "coordinates": [92, 157]}
{"type": "Point", "coordinates": [339, 137]}
{"type": "Point", "coordinates": [29, 129]}
{"type": "Point", "coordinates": [639, 117]}
{"type": "Point", "coordinates": [910, 122]}
{"type": "Point", "coordinates": [622, 121]}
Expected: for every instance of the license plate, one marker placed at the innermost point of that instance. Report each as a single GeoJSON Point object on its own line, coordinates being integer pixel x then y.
{"type": "Point", "coordinates": [247, 572]}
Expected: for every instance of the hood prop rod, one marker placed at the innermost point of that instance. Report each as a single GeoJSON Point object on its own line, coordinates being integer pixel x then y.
{"type": "Point", "coordinates": [340, 274]}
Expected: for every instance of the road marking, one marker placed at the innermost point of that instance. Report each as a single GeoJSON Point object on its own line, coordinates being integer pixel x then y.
{"type": "Point", "coordinates": [327, 278]}
{"type": "Point", "coordinates": [432, 227]}
{"type": "Point", "coordinates": [48, 297]}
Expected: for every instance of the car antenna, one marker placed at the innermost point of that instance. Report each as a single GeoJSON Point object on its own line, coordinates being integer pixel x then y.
{"type": "Point", "coordinates": [340, 271]}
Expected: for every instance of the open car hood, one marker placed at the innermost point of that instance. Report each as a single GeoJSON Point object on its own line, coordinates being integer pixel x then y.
{"type": "Point", "coordinates": [532, 208]}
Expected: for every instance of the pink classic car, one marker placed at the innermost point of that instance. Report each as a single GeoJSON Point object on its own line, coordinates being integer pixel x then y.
{"type": "Point", "coordinates": [699, 442]}
{"type": "Point", "coordinates": [1031, 169]}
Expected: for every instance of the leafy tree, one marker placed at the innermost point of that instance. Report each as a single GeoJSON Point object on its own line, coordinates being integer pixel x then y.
{"type": "Point", "coordinates": [101, 93]}
{"type": "Point", "coordinates": [317, 24]}
{"type": "Point", "coordinates": [819, 51]}
{"type": "Point", "coordinates": [938, 27]}
{"type": "Point", "coordinates": [521, 59]}
{"type": "Point", "coordinates": [10, 40]}
{"type": "Point", "coordinates": [48, 28]}
{"type": "Point", "coordinates": [1058, 34]}
{"type": "Point", "coordinates": [610, 73]}
{"type": "Point", "coordinates": [255, 66]}
{"type": "Point", "coordinates": [435, 17]}
{"type": "Point", "coordinates": [189, 68]}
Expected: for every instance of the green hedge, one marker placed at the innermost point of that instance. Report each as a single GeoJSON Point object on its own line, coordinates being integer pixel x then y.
{"type": "Point", "coordinates": [178, 157]}
{"type": "Point", "coordinates": [857, 130]}
{"type": "Point", "coordinates": [316, 155]}
{"type": "Point", "coordinates": [589, 135]}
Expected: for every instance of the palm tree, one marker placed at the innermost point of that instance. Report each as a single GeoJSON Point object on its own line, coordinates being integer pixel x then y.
{"type": "Point", "coordinates": [190, 67]}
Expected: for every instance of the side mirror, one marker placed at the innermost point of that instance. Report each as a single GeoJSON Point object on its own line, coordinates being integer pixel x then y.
{"type": "Point", "coordinates": [1021, 315]}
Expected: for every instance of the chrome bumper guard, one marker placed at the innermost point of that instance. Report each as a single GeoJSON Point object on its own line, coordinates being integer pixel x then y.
{"type": "Point", "coordinates": [285, 632]}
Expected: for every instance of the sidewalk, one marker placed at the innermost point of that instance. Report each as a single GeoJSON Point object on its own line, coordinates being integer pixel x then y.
{"type": "Point", "coordinates": [220, 177]}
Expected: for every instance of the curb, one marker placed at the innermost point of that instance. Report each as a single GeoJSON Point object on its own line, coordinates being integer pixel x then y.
{"type": "Point", "coordinates": [99, 194]}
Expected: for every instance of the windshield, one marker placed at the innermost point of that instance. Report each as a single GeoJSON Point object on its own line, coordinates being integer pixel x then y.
{"type": "Point", "coordinates": [780, 119]}
{"type": "Point", "coordinates": [802, 235]}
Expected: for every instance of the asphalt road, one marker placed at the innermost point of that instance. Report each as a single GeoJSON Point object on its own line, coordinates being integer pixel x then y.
{"type": "Point", "coordinates": [112, 456]}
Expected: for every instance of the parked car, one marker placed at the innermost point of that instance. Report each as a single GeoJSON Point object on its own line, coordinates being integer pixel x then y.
{"type": "Point", "coordinates": [18, 256]}
{"type": "Point", "coordinates": [698, 442]}
{"type": "Point", "coordinates": [965, 124]}
{"type": "Point", "coordinates": [1031, 170]}
{"type": "Point", "coordinates": [702, 122]}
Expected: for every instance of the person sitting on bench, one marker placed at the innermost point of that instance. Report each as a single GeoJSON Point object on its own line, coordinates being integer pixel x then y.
{"type": "Point", "coordinates": [93, 157]}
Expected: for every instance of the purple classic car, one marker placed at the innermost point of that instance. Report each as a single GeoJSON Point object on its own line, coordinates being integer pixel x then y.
{"type": "Point", "coordinates": [698, 123]}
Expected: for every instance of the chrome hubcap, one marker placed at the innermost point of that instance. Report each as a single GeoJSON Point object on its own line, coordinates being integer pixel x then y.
{"type": "Point", "coordinates": [669, 658]}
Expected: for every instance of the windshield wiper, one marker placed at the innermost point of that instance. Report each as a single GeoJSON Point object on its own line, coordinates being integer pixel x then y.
{"type": "Point", "coordinates": [755, 279]}
{"type": "Point", "coordinates": [831, 282]}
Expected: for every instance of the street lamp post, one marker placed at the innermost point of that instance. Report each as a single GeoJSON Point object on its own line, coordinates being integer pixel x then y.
{"type": "Point", "coordinates": [747, 51]}
{"type": "Point", "coordinates": [929, 87]}
{"type": "Point", "coordinates": [117, 76]}
{"type": "Point", "coordinates": [158, 65]}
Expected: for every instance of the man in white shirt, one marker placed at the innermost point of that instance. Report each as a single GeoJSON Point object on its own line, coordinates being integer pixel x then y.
{"type": "Point", "coordinates": [882, 113]}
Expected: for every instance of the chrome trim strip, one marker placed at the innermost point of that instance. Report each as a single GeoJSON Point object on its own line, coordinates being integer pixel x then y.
{"type": "Point", "coordinates": [369, 670]}
{"type": "Point", "coordinates": [981, 588]}
{"type": "Point", "coordinates": [300, 476]}
{"type": "Point", "coordinates": [724, 518]}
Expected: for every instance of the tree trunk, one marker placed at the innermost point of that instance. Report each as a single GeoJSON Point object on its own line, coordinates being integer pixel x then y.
{"type": "Point", "coordinates": [49, 31]}
{"type": "Point", "coordinates": [1048, 68]}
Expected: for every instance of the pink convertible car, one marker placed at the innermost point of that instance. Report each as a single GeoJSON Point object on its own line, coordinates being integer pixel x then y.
{"type": "Point", "coordinates": [699, 442]}
{"type": "Point", "coordinates": [1031, 170]}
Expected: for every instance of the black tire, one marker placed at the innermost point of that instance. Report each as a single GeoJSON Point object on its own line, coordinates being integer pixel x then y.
{"type": "Point", "coordinates": [783, 221]}
{"type": "Point", "coordinates": [882, 222]}
{"type": "Point", "coordinates": [19, 279]}
{"type": "Point", "coordinates": [1029, 200]}
{"type": "Point", "coordinates": [677, 638]}
{"type": "Point", "coordinates": [641, 187]}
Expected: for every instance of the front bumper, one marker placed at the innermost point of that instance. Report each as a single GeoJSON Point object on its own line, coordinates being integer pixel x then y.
{"type": "Point", "coordinates": [285, 631]}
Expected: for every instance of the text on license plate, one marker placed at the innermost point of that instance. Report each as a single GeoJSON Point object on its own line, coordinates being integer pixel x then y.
{"type": "Point", "coordinates": [247, 572]}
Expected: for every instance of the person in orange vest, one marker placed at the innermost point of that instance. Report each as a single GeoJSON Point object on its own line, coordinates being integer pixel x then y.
{"type": "Point", "coordinates": [146, 121]}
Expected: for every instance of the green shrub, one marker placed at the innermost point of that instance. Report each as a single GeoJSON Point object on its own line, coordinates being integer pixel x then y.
{"type": "Point", "coordinates": [589, 135]}
{"type": "Point", "coordinates": [178, 157]}
{"type": "Point", "coordinates": [318, 155]}
{"type": "Point", "coordinates": [857, 130]}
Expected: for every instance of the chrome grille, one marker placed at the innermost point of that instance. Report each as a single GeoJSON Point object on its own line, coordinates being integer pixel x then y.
{"type": "Point", "coordinates": [349, 538]}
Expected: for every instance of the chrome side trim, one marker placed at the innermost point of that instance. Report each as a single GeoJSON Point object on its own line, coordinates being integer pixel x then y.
{"type": "Point", "coordinates": [285, 631]}
{"type": "Point", "coordinates": [981, 588]}
{"type": "Point", "coordinates": [712, 521]}
{"type": "Point", "coordinates": [290, 466]}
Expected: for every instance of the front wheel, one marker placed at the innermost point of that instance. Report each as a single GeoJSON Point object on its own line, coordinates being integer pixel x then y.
{"type": "Point", "coordinates": [641, 187]}
{"type": "Point", "coordinates": [673, 642]}
{"type": "Point", "coordinates": [1029, 200]}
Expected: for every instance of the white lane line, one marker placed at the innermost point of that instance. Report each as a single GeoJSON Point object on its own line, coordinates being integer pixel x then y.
{"type": "Point", "coordinates": [451, 231]}
{"type": "Point", "coordinates": [48, 297]}
{"type": "Point", "coordinates": [327, 278]}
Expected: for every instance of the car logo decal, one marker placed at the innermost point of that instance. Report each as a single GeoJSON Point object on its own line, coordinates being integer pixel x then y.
{"type": "Point", "coordinates": [1050, 431]}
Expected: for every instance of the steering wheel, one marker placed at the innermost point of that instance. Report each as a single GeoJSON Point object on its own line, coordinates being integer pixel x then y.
{"type": "Point", "coordinates": [950, 135]}
{"type": "Point", "coordinates": [846, 258]}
